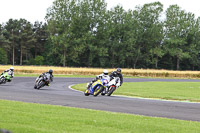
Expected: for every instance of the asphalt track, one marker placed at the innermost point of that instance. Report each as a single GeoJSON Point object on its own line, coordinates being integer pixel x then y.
{"type": "Point", "coordinates": [58, 93]}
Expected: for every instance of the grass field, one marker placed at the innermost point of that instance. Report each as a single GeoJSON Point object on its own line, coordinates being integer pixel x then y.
{"type": "Point", "coordinates": [20, 117]}
{"type": "Point", "coordinates": [96, 71]}
{"type": "Point", "coordinates": [183, 91]}
{"type": "Point", "coordinates": [72, 76]}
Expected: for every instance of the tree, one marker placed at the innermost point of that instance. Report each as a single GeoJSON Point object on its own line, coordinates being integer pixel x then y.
{"type": "Point", "coordinates": [154, 28]}
{"type": "Point", "coordinates": [59, 18]}
{"type": "Point", "coordinates": [2, 38]}
{"type": "Point", "coordinates": [143, 35]}
{"type": "Point", "coordinates": [193, 42]}
{"type": "Point", "coordinates": [177, 26]}
{"type": "Point", "coordinates": [115, 27]}
{"type": "Point", "coordinates": [87, 28]}
{"type": "Point", "coordinates": [41, 36]}
{"type": "Point", "coordinates": [12, 35]}
{"type": "Point", "coordinates": [4, 45]}
{"type": "Point", "coordinates": [26, 40]}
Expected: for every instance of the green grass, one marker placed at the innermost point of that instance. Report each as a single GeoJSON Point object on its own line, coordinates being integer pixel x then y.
{"type": "Point", "coordinates": [20, 117]}
{"type": "Point", "coordinates": [187, 91]}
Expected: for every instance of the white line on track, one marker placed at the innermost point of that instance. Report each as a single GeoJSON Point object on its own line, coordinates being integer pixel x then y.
{"type": "Point", "coordinates": [70, 87]}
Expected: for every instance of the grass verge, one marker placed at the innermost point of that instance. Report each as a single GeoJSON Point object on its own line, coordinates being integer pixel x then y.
{"type": "Point", "coordinates": [21, 117]}
{"type": "Point", "coordinates": [183, 91]}
{"type": "Point", "coordinates": [96, 71]}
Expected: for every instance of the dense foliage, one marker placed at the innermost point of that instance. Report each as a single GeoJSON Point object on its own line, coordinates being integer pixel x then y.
{"type": "Point", "coordinates": [83, 33]}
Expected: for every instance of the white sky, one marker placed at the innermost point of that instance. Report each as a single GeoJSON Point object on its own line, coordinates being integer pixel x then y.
{"type": "Point", "coordinates": [35, 10]}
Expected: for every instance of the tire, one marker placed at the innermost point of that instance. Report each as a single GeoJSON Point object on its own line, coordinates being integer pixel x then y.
{"type": "Point", "coordinates": [111, 91]}
{"type": "Point", "coordinates": [35, 87]}
{"type": "Point", "coordinates": [2, 80]}
{"type": "Point", "coordinates": [40, 84]}
{"type": "Point", "coordinates": [103, 94]}
{"type": "Point", "coordinates": [98, 91]}
{"type": "Point", "coordinates": [86, 92]}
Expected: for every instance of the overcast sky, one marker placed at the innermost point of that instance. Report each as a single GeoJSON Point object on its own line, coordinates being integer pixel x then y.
{"type": "Point", "coordinates": [35, 10]}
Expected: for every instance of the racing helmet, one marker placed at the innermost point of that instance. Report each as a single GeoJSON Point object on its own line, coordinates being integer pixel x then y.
{"type": "Point", "coordinates": [50, 71]}
{"type": "Point", "coordinates": [105, 72]}
{"type": "Point", "coordinates": [12, 68]}
{"type": "Point", "coordinates": [119, 70]}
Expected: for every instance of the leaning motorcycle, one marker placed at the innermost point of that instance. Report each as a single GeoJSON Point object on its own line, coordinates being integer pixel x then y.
{"type": "Point", "coordinates": [113, 85]}
{"type": "Point", "coordinates": [96, 88]}
{"type": "Point", "coordinates": [5, 77]}
{"type": "Point", "coordinates": [41, 82]}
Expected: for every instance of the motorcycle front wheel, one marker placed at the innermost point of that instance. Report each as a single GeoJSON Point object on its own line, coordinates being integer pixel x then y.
{"type": "Point", "coordinates": [40, 84]}
{"type": "Point", "coordinates": [86, 92]}
{"type": "Point", "coordinates": [98, 90]}
{"type": "Point", "coordinates": [2, 80]}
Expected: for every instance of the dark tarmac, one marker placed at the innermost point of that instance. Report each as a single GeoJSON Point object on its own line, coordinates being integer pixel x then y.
{"type": "Point", "coordinates": [58, 93]}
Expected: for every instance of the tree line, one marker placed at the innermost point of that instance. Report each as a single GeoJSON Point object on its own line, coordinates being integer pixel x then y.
{"type": "Point", "coordinates": [83, 33]}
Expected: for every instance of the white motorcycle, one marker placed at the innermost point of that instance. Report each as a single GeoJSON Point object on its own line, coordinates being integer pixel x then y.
{"type": "Point", "coordinates": [113, 85]}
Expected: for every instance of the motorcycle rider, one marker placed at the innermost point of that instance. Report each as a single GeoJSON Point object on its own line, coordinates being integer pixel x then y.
{"type": "Point", "coordinates": [10, 72]}
{"type": "Point", "coordinates": [101, 76]}
{"type": "Point", "coordinates": [117, 73]}
{"type": "Point", "coordinates": [49, 74]}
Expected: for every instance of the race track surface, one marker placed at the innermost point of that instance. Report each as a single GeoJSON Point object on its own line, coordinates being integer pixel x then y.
{"type": "Point", "coordinates": [58, 93]}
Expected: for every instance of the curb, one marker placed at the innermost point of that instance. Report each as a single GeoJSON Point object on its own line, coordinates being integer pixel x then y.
{"type": "Point", "coordinates": [70, 87]}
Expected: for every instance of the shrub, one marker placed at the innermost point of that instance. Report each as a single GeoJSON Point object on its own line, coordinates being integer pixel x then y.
{"type": "Point", "coordinates": [39, 60]}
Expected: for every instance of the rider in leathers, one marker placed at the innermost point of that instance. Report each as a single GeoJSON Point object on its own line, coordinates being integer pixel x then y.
{"type": "Point", "coordinates": [50, 73]}
{"type": "Point", "coordinates": [117, 73]}
{"type": "Point", "coordinates": [103, 75]}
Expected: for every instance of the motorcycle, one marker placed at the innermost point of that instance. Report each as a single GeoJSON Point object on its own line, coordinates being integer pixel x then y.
{"type": "Point", "coordinates": [41, 82]}
{"type": "Point", "coordinates": [96, 88]}
{"type": "Point", "coordinates": [5, 77]}
{"type": "Point", "coordinates": [113, 85]}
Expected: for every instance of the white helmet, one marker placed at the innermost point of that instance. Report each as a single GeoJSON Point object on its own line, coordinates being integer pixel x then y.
{"type": "Point", "coordinates": [11, 68]}
{"type": "Point", "coordinates": [105, 72]}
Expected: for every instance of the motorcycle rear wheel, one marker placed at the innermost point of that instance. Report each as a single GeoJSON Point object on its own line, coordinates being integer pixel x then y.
{"type": "Point", "coordinates": [40, 84]}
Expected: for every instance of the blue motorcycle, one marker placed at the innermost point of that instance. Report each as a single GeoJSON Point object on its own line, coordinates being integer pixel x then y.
{"type": "Point", "coordinates": [96, 88]}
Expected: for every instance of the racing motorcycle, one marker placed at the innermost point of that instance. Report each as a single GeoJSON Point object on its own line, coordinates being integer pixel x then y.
{"type": "Point", "coordinates": [97, 87]}
{"type": "Point", "coordinates": [41, 82]}
{"type": "Point", "coordinates": [5, 77]}
{"type": "Point", "coordinates": [113, 85]}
